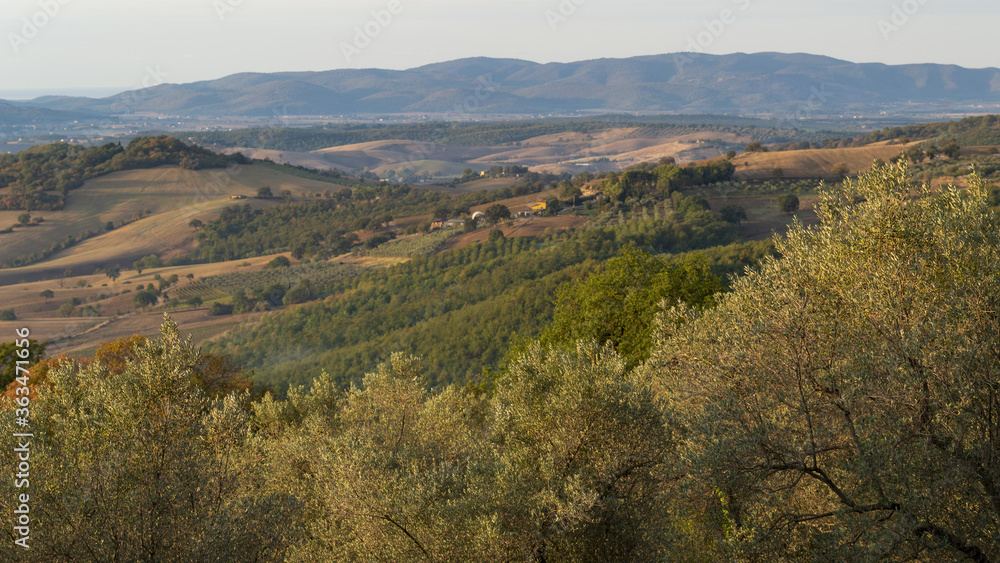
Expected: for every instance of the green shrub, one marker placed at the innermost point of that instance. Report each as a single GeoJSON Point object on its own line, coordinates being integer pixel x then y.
{"type": "Point", "coordinates": [788, 203]}
{"type": "Point", "coordinates": [219, 309]}
{"type": "Point", "coordinates": [279, 262]}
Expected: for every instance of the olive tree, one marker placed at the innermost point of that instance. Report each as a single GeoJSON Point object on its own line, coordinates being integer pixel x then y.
{"type": "Point", "coordinates": [581, 445]}
{"type": "Point", "coordinates": [844, 400]}
{"type": "Point", "coordinates": [139, 465]}
{"type": "Point", "coordinates": [388, 471]}
{"type": "Point", "coordinates": [557, 462]}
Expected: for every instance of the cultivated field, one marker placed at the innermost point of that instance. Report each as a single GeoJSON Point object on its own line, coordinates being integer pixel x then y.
{"type": "Point", "coordinates": [556, 153]}
{"type": "Point", "coordinates": [811, 163]}
{"type": "Point", "coordinates": [117, 317]}
{"type": "Point", "coordinates": [168, 197]}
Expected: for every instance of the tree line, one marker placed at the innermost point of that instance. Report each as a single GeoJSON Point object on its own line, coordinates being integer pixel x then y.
{"type": "Point", "coordinates": [31, 176]}
{"type": "Point", "coordinates": [983, 130]}
{"type": "Point", "coordinates": [491, 134]}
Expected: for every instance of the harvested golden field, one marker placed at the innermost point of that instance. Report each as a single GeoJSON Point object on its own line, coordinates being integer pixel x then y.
{"type": "Point", "coordinates": [558, 153]}
{"type": "Point", "coordinates": [398, 153]}
{"type": "Point", "coordinates": [307, 159]}
{"type": "Point", "coordinates": [811, 163]}
{"type": "Point", "coordinates": [167, 198]}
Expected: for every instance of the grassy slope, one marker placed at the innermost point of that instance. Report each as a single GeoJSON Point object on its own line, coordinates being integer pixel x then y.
{"type": "Point", "coordinates": [811, 163]}
{"type": "Point", "coordinates": [39, 314]}
{"type": "Point", "coordinates": [560, 152]}
{"type": "Point", "coordinates": [173, 196]}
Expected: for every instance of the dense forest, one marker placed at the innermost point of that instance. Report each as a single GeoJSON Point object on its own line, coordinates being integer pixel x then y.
{"type": "Point", "coordinates": [836, 402]}
{"type": "Point", "coordinates": [30, 177]}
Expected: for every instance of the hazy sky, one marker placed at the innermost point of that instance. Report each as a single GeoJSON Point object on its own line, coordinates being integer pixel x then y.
{"type": "Point", "coordinates": [62, 45]}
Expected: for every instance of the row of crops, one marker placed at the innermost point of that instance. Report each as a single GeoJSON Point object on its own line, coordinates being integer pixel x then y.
{"type": "Point", "coordinates": [319, 273]}
{"type": "Point", "coordinates": [410, 246]}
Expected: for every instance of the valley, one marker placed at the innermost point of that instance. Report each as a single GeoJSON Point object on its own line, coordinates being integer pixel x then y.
{"type": "Point", "coordinates": [158, 213]}
{"type": "Point", "coordinates": [550, 282]}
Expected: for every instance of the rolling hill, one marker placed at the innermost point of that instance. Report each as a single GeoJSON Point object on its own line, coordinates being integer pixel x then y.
{"type": "Point", "coordinates": [167, 198]}
{"type": "Point", "coordinates": [812, 163]}
{"type": "Point", "coordinates": [785, 85]}
{"type": "Point", "coordinates": [12, 114]}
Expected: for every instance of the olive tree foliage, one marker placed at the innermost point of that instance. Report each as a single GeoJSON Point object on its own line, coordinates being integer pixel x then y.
{"type": "Point", "coordinates": [388, 471]}
{"type": "Point", "coordinates": [560, 464]}
{"type": "Point", "coordinates": [844, 399]}
{"type": "Point", "coordinates": [139, 465]}
{"type": "Point", "coordinates": [581, 445]}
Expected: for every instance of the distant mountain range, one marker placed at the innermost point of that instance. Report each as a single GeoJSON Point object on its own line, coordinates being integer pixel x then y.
{"type": "Point", "coordinates": [783, 85]}
{"type": "Point", "coordinates": [18, 114]}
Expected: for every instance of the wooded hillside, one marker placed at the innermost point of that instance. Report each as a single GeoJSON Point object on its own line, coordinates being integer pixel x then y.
{"type": "Point", "coordinates": [838, 403]}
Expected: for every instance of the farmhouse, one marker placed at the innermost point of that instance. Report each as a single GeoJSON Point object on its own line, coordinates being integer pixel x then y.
{"type": "Point", "coordinates": [447, 224]}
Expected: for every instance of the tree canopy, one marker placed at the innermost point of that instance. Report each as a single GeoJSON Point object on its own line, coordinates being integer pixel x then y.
{"type": "Point", "coordinates": [617, 304]}
{"type": "Point", "coordinates": [32, 173]}
{"type": "Point", "coordinates": [843, 399]}
{"type": "Point", "coordinates": [140, 464]}
{"type": "Point", "coordinates": [497, 213]}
